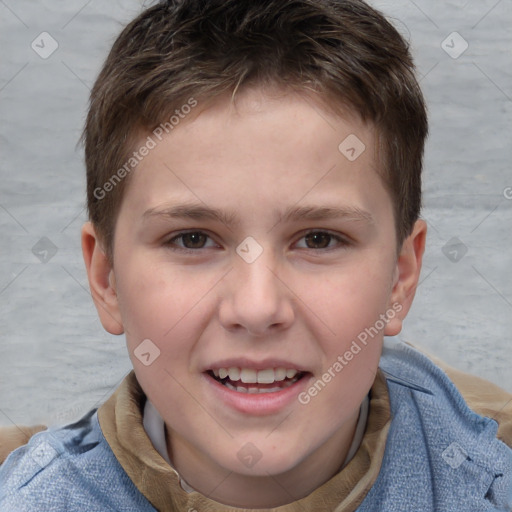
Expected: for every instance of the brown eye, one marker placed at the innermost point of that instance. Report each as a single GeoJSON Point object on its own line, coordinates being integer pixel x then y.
{"type": "Point", "coordinates": [318, 240]}
{"type": "Point", "coordinates": [191, 241]}
{"type": "Point", "coordinates": [194, 240]}
{"type": "Point", "coordinates": [322, 240]}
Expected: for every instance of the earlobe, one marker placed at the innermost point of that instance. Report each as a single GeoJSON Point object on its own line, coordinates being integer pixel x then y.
{"type": "Point", "coordinates": [101, 280]}
{"type": "Point", "coordinates": [406, 277]}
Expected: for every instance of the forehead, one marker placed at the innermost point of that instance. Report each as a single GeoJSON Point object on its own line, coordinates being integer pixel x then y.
{"type": "Point", "coordinates": [258, 119]}
{"type": "Point", "coordinates": [277, 147]}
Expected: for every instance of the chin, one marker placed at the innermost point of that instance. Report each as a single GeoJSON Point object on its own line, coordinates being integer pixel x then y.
{"type": "Point", "coordinates": [260, 459]}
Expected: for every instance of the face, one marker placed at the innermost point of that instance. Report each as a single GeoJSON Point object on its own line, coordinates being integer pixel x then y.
{"type": "Point", "coordinates": [256, 256]}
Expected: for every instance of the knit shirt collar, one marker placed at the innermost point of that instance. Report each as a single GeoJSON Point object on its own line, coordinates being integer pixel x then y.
{"type": "Point", "coordinates": [121, 421]}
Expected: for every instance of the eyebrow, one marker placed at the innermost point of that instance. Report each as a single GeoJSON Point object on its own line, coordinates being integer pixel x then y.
{"type": "Point", "coordinates": [193, 212]}
{"type": "Point", "coordinates": [294, 213]}
{"type": "Point", "coordinates": [352, 213]}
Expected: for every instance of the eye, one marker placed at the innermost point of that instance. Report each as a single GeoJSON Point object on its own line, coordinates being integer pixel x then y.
{"type": "Point", "coordinates": [321, 240]}
{"type": "Point", "coordinates": [191, 240]}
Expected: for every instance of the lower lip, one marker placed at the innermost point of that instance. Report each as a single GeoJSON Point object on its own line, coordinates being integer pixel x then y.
{"type": "Point", "coordinates": [257, 404]}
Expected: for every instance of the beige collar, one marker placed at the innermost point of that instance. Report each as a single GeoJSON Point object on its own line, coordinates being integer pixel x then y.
{"type": "Point", "coordinates": [121, 422]}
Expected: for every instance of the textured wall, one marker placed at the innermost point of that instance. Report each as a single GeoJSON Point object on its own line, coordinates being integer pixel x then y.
{"type": "Point", "coordinates": [56, 362]}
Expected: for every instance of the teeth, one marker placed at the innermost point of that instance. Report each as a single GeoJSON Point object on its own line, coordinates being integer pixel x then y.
{"type": "Point", "coordinates": [251, 376]}
{"type": "Point", "coordinates": [234, 374]}
{"type": "Point", "coordinates": [280, 374]}
{"type": "Point", "coordinates": [240, 389]}
{"type": "Point", "coordinates": [256, 390]}
{"type": "Point", "coordinates": [291, 373]}
{"type": "Point", "coordinates": [266, 376]}
{"type": "Point", "coordinates": [248, 376]}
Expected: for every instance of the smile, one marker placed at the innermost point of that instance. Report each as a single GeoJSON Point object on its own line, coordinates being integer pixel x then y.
{"type": "Point", "coordinates": [255, 391]}
{"type": "Point", "coordinates": [249, 380]}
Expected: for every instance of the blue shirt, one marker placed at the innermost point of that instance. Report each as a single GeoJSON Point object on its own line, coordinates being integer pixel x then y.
{"type": "Point", "coordinates": [440, 456]}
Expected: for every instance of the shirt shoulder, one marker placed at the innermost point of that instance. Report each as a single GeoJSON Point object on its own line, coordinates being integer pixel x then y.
{"type": "Point", "coordinates": [481, 396]}
{"type": "Point", "coordinates": [16, 436]}
{"type": "Point", "coordinates": [67, 468]}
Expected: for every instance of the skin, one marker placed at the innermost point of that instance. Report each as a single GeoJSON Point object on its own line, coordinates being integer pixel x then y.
{"type": "Point", "coordinates": [304, 299]}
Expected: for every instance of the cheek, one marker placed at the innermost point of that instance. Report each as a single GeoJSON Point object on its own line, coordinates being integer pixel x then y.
{"type": "Point", "coordinates": [348, 300]}
{"type": "Point", "coordinates": [164, 306]}
{"type": "Point", "coordinates": [157, 301]}
{"type": "Point", "coordinates": [349, 333]}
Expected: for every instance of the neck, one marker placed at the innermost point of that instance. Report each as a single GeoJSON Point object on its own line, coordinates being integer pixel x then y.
{"type": "Point", "coordinates": [220, 484]}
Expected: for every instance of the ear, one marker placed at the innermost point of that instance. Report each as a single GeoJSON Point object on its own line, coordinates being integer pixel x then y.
{"type": "Point", "coordinates": [101, 280]}
{"type": "Point", "coordinates": [407, 274]}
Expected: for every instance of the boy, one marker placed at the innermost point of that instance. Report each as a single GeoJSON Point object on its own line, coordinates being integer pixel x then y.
{"type": "Point", "coordinates": [254, 192]}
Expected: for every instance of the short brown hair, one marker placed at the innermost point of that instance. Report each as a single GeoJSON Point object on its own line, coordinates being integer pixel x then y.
{"type": "Point", "coordinates": [181, 49]}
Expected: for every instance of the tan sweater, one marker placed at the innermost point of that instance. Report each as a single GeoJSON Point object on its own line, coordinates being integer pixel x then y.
{"type": "Point", "coordinates": [121, 422]}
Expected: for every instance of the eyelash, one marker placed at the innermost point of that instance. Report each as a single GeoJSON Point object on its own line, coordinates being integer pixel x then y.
{"type": "Point", "coordinates": [341, 241]}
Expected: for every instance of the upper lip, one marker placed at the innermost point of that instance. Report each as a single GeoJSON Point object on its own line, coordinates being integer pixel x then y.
{"type": "Point", "coordinates": [264, 364]}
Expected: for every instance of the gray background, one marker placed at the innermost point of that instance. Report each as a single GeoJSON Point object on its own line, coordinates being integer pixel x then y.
{"type": "Point", "coordinates": [56, 362]}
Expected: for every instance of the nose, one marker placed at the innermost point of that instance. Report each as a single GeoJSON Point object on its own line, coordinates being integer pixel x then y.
{"type": "Point", "coordinates": [255, 298]}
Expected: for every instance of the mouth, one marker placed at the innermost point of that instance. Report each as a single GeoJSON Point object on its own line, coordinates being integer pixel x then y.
{"type": "Point", "coordinates": [251, 381]}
